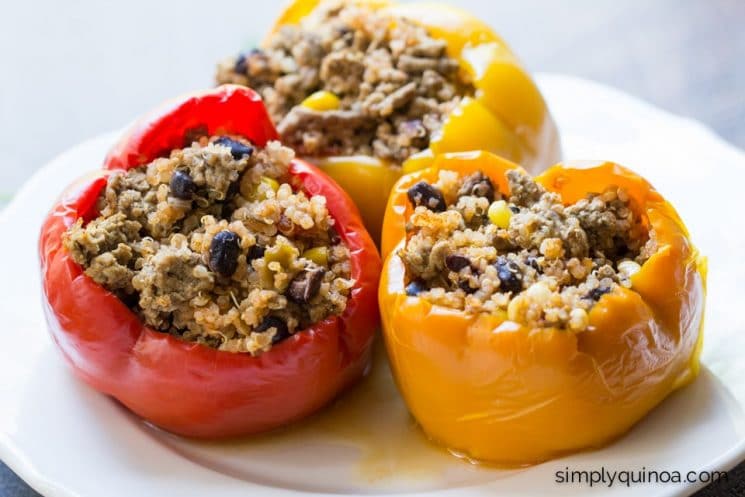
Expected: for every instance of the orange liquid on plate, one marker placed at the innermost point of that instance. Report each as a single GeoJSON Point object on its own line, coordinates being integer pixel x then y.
{"type": "Point", "coordinates": [372, 418]}
{"type": "Point", "coordinates": [367, 431]}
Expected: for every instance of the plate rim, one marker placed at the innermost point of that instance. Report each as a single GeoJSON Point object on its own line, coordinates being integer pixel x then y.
{"type": "Point", "coordinates": [13, 455]}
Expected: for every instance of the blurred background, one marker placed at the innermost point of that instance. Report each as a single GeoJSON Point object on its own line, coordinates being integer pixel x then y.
{"type": "Point", "coordinates": [75, 69]}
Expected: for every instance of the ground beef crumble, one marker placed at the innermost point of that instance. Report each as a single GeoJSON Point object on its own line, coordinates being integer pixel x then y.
{"type": "Point", "coordinates": [395, 82]}
{"type": "Point", "coordinates": [526, 255]}
{"type": "Point", "coordinates": [213, 245]}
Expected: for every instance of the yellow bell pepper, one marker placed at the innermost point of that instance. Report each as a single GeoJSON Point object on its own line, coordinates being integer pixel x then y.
{"type": "Point", "coordinates": [507, 115]}
{"type": "Point", "coordinates": [497, 391]}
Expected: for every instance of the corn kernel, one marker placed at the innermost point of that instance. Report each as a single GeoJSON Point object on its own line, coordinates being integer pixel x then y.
{"type": "Point", "coordinates": [321, 101]}
{"type": "Point", "coordinates": [259, 191]}
{"type": "Point", "coordinates": [319, 255]}
{"type": "Point", "coordinates": [280, 255]}
{"type": "Point", "coordinates": [270, 182]}
{"type": "Point", "coordinates": [500, 214]}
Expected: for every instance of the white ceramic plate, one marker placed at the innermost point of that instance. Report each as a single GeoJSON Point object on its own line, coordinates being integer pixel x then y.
{"type": "Point", "coordinates": [67, 440]}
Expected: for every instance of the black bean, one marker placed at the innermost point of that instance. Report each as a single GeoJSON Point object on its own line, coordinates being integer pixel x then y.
{"type": "Point", "coordinates": [515, 209]}
{"type": "Point", "coordinates": [233, 190]}
{"type": "Point", "coordinates": [276, 323]}
{"type": "Point", "coordinates": [305, 285]}
{"type": "Point", "coordinates": [224, 251]}
{"type": "Point", "coordinates": [414, 288]}
{"type": "Point", "coordinates": [334, 238]}
{"type": "Point", "coordinates": [243, 60]}
{"type": "Point", "coordinates": [427, 195]}
{"type": "Point", "coordinates": [255, 252]}
{"type": "Point", "coordinates": [182, 186]}
{"type": "Point", "coordinates": [228, 208]}
{"type": "Point", "coordinates": [596, 293]}
{"type": "Point", "coordinates": [465, 285]}
{"type": "Point", "coordinates": [455, 262]}
{"type": "Point", "coordinates": [510, 277]}
{"type": "Point", "coordinates": [240, 66]}
{"type": "Point", "coordinates": [532, 261]}
{"type": "Point", "coordinates": [237, 149]}
{"type": "Point", "coordinates": [477, 185]}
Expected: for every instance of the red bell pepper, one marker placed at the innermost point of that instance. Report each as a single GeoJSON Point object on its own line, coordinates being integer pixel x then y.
{"type": "Point", "coordinates": [189, 388]}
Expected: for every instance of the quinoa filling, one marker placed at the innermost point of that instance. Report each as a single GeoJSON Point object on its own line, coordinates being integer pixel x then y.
{"type": "Point", "coordinates": [214, 246]}
{"type": "Point", "coordinates": [378, 85]}
{"type": "Point", "coordinates": [525, 256]}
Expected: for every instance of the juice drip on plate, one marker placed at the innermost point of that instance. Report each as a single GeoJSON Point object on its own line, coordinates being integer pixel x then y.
{"type": "Point", "coordinates": [372, 419]}
{"type": "Point", "coordinates": [365, 440]}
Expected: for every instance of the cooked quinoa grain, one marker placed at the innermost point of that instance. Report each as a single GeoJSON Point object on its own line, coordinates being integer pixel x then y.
{"type": "Point", "coordinates": [213, 245]}
{"type": "Point", "coordinates": [526, 255]}
{"type": "Point", "coordinates": [368, 83]}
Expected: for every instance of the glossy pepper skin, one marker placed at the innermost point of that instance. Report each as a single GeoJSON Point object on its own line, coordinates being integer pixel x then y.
{"type": "Point", "coordinates": [497, 391]}
{"type": "Point", "coordinates": [506, 116]}
{"type": "Point", "coordinates": [183, 387]}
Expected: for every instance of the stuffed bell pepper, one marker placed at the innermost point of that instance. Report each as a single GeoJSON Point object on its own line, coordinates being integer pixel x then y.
{"type": "Point", "coordinates": [207, 280]}
{"type": "Point", "coordinates": [370, 88]}
{"type": "Point", "coordinates": [530, 317]}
